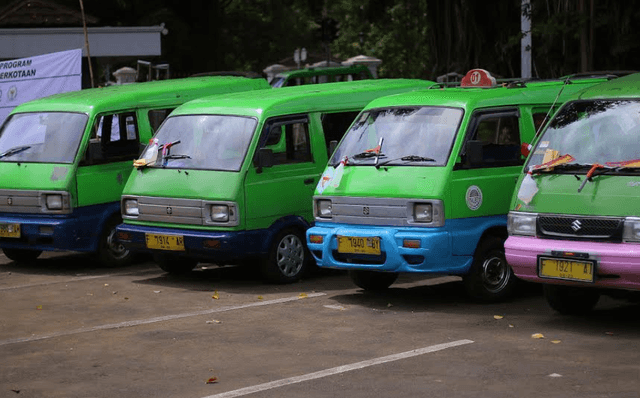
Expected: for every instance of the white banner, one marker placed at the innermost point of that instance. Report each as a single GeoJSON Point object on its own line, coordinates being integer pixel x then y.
{"type": "Point", "coordinates": [25, 79]}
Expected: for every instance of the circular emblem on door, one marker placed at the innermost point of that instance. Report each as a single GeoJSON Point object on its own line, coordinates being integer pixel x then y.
{"type": "Point", "coordinates": [169, 210]}
{"type": "Point", "coordinates": [474, 197]}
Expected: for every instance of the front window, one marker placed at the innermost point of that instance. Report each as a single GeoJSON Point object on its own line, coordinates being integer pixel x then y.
{"type": "Point", "coordinates": [596, 132]}
{"type": "Point", "coordinates": [207, 142]}
{"type": "Point", "coordinates": [41, 137]}
{"type": "Point", "coordinates": [400, 136]}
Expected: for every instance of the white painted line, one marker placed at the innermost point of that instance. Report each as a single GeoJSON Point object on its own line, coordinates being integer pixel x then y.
{"type": "Point", "coordinates": [340, 369]}
{"type": "Point", "coordinates": [80, 278]}
{"type": "Point", "coordinates": [157, 319]}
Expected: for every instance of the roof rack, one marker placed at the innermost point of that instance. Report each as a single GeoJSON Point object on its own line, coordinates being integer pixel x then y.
{"type": "Point", "coordinates": [609, 74]}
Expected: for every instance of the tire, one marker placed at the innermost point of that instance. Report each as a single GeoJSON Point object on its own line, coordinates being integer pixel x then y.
{"type": "Point", "coordinates": [22, 255]}
{"type": "Point", "coordinates": [174, 264]}
{"type": "Point", "coordinates": [570, 300]}
{"type": "Point", "coordinates": [288, 259]}
{"type": "Point", "coordinates": [373, 280]}
{"type": "Point", "coordinates": [490, 278]}
{"type": "Point", "coordinates": [110, 253]}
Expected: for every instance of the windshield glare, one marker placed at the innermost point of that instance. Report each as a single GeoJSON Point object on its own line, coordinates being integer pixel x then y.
{"type": "Point", "coordinates": [597, 131]}
{"type": "Point", "coordinates": [426, 132]}
{"type": "Point", "coordinates": [41, 137]}
{"type": "Point", "coordinates": [210, 142]}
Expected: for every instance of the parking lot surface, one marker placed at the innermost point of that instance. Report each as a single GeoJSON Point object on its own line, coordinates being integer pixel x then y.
{"type": "Point", "coordinates": [71, 329]}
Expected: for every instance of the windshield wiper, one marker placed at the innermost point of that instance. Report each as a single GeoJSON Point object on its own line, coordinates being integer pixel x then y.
{"type": "Point", "coordinates": [14, 151]}
{"type": "Point", "coordinates": [408, 158]}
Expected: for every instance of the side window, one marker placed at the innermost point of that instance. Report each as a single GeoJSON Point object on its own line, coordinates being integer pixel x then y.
{"type": "Point", "coordinates": [289, 141]}
{"type": "Point", "coordinates": [114, 138]}
{"type": "Point", "coordinates": [335, 125]}
{"type": "Point", "coordinates": [499, 134]}
{"type": "Point", "coordinates": [538, 121]}
{"type": "Point", "coordinates": [157, 116]}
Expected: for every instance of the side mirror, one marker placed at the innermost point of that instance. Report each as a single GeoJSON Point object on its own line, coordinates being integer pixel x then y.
{"type": "Point", "coordinates": [525, 149]}
{"type": "Point", "coordinates": [333, 144]}
{"type": "Point", "coordinates": [474, 152]}
{"type": "Point", "coordinates": [265, 159]}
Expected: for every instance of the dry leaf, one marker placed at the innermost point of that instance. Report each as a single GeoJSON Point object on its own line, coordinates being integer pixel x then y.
{"type": "Point", "coordinates": [214, 321]}
{"type": "Point", "coordinates": [215, 295]}
{"type": "Point", "coordinates": [498, 317]}
{"type": "Point", "coordinates": [556, 341]}
{"type": "Point", "coordinates": [106, 284]}
{"type": "Point", "coordinates": [38, 307]}
{"type": "Point", "coordinates": [302, 295]}
{"type": "Point", "coordinates": [259, 297]}
{"type": "Point", "coordinates": [511, 326]}
{"type": "Point", "coordinates": [211, 380]}
{"type": "Point", "coordinates": [537, 336]}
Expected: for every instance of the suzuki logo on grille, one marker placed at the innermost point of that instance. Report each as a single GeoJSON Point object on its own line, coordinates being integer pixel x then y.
{"type": "Point", "coordinates": [576, 225]}
{"type": "Point", "coordinates": [169, 210]}
{"type": "Point", "coordinates": [365, 210]}
{"type": "Point", "coordinates": [9, 201]}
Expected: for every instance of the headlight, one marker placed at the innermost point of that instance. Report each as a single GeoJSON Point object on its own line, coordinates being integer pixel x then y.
{"type": "Point", "coordinates": [54, 202]}
{"type": "Point", "coordinates": [423, 212]}
{"type": "Point", "coordinates": [631, 232]}
{"type": "Point", "coordinates": [219, 213]}
{"type": "Point", "coordinates": [324, 208]}
{"type": "Point", "coordinates": [131, 207]}
{"type": "Point", "coordinates": [521, 223]}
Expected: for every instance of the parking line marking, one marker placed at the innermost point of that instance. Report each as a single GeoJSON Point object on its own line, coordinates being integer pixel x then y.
{"type": "Point", "coordinates": [157, 319]}
{"type": "Point", "coordinates": [340, 369]}
{"type": "Point", "coordinates": [76, 279]}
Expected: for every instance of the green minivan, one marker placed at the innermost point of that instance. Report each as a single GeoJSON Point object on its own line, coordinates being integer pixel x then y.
{"type": "Point", "coordinates": [421, 183]}
{"type": "Point", "coordinates": [64, 160]}
{"type": "Point", "coordinates": [234, 178]}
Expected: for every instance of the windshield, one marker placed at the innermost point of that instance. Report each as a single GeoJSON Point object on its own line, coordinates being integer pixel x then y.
{"type": "Point", "coordinates": [408, 136]}
{"type": "Point", "coordinates": [41, 137]}
{"type": "Point", "coordinates": [277, 82]}
{"type": "Point", "coordinates": [602, 132]}
{"type": "Point", "coordinates": [208, 142]}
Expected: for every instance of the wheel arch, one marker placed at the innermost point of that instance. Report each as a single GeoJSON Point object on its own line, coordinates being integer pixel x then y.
{"type": "Point", "coordinates": [296, 222]}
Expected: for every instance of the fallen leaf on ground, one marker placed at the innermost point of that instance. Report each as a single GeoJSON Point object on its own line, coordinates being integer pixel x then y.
{"type": "Point", "coordinates": [126, 298]}
{"type": "Point", "coordinates": [106, 284]}
{"type": "Point", "coordinates": [302, 295]}
{"type": "Point", "coordinates": [511, 326]}
{"type": "Point", "coordinates": [214, 321]}
{"type": "Point", "coordinates": [259, 297]}
{"type": "Point", "coordinates": [537, 336]}
{"type": "Point", "coordinates": [211, 380]}
{"type": "Point", "coordinates": [498, 317]}
{"type": "Point", "coordinates": [215, 295]}
{"type": "Point", "coordinates": [556, 341]}
{"type": "Point", "coordinates": [38, 307]}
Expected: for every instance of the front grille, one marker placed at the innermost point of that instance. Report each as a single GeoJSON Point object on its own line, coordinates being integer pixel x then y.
{"type": "Point", "coordinates": [603, 229]}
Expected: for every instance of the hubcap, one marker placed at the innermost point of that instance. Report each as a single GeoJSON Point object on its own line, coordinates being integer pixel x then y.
{"type": "Point", "coordinates": [495, 274]}
{"type": "Point", "coordinates": [290, 255]}
{"type": "Point", "coordinates": [117, 250]}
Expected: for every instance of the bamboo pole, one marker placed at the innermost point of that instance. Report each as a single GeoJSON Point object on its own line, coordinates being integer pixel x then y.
{"type": "Point", "coordinates": [86, 42]}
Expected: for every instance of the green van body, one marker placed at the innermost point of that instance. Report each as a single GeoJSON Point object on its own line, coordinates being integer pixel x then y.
{"type": "Point", "coordinates": [265, 192]}
{"type": "Point", "coordinates": [330, 74]}
{"type": "Point", "coordinates": [62, 178]}
{"type": "Point", "coordinates": [574, 222]}
{"type": "Point", "coordinates": [435, 195]}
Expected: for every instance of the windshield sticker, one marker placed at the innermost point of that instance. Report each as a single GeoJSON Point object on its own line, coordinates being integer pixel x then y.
{"type": "Point", "coordinates": [544, 144]}
{"type": "Point", "coordinates": [528, 189]}
{"type": "Point", "coordinates": [553, 162]}
{"type": "Point", "coordinates": [325, 180]}
{"type": "Point", "coordinates": [474, 197]}
{"type": "Point", "coordinates": [59, 173]}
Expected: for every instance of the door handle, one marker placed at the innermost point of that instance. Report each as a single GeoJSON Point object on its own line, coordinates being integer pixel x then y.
{"type": "Point", "coordinates": [308, 181]}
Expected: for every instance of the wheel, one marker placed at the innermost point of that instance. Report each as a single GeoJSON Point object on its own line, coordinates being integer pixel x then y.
{"type": "Point", "coordinates": [288, 259]}
{"type": "Point", "coordinates": [174, 264]}
{"type": "Point", "coordinates": [490, 278]}
{"type": "Point", "coordinates": [21, 255]}
{"type": "Point", "coordinates": [110, 252]}
{"type": "Point", "coordinates": [570, 300]}
{"type": "Point", "coordinates": [373, 280]}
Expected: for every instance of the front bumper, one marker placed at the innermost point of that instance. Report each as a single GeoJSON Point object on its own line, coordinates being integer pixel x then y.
{"type": "Point", "coordinates": [618, 264]}
{"type": "Point", "coordinates": [48, 233]}
{"type": "Point", "coordinates": [435, 254]}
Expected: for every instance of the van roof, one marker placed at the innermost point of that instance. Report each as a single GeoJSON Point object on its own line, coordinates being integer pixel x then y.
{"type": "Point", "coordinates": [300, 99]}
{"type": "Point", "coordinates": [623, 87]}
{"type": "Point", "coordinates": [168, 93]}
{"type": "Point", "coordinates": [469, 98]}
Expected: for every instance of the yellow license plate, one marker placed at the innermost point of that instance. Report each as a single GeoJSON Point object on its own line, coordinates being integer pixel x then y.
{"type": "Point", "coordinates": [9, 230]}
{"type": "Point", "coordinates": [165, 242]}
{"type": "Point", "coordinates": [570, 270]}
{"type": "Point", "coordinates": [356, 245]}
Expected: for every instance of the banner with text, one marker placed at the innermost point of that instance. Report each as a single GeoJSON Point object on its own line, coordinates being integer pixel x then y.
{"type": "Point", "coordinates": [25, 79]}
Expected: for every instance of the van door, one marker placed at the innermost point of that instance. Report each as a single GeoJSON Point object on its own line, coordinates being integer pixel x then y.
{"type": "Point", "coordinates": [485, 187]}
{"type": "Point", "coordinates": [287, 187]}
{"type": "Point", "coordinates": [113, 145]}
